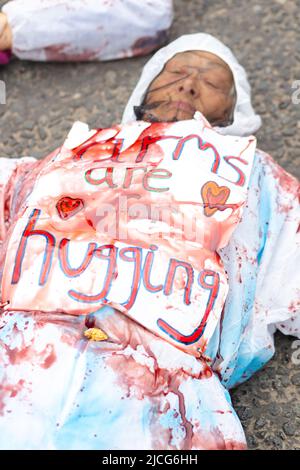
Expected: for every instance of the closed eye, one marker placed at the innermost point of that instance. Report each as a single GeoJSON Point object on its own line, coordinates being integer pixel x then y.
{"type": "Point", "coordinates": [211, 84]}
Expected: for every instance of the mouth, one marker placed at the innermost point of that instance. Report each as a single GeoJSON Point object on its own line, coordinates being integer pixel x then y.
{"type": "Point", "coordinates": [183, 106]}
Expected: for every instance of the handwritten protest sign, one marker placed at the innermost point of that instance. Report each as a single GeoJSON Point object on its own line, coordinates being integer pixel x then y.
{"type": "Point", "coordinates": [133, 217]}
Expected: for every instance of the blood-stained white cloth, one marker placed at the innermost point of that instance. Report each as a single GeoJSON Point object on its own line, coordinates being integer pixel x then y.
{"type": "Point", "coordinates": [60, 391]}
{"type": "Point", "coordinates": [87, 30]}
{"type": "Point", "coordinates": [147, 385]}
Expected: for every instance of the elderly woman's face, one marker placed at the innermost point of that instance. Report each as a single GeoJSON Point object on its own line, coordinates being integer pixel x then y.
{"type": "Point", "coordinates": [191, 81]}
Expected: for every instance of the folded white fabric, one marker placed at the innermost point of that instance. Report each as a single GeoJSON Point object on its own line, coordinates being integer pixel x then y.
{"type": "Point", "coordinates": [87, 29]}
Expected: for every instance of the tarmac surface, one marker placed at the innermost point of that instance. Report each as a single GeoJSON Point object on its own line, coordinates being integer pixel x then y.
{"type": "Point", "coordinates": [43, 100]}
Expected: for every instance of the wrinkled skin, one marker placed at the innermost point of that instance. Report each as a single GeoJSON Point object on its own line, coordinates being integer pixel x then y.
{"type": "Point", "coordinates": [191, 81]}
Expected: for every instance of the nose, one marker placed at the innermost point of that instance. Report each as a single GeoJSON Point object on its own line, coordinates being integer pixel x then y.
{"type": "Point", "coordinates": [189, 85]}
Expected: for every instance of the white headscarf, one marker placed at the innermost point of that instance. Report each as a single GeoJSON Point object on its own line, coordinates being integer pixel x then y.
{"type": "Point", "coordinates": [245, 121]}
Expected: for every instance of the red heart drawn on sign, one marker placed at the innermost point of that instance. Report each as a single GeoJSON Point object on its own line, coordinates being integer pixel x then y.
{"type": "Point", "coordinates": [214, 197]}
{"type": "Point", "coordinates": [67, 207]}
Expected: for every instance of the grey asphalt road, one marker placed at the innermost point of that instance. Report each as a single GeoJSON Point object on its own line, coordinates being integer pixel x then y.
{"type": "Point", "coordinates": [43, 100]}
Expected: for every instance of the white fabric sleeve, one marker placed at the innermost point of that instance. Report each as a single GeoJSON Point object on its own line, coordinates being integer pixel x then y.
{"type": "Point", "coordinates": [87, 30]}
{"type": "Point", "coordinates": [262, 260]}
{"type": "Point", "coordinates": [278, 283]}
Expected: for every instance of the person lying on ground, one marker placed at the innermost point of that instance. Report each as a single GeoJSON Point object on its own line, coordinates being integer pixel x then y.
{"type": "Point", "coordinates": [134, 390]}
